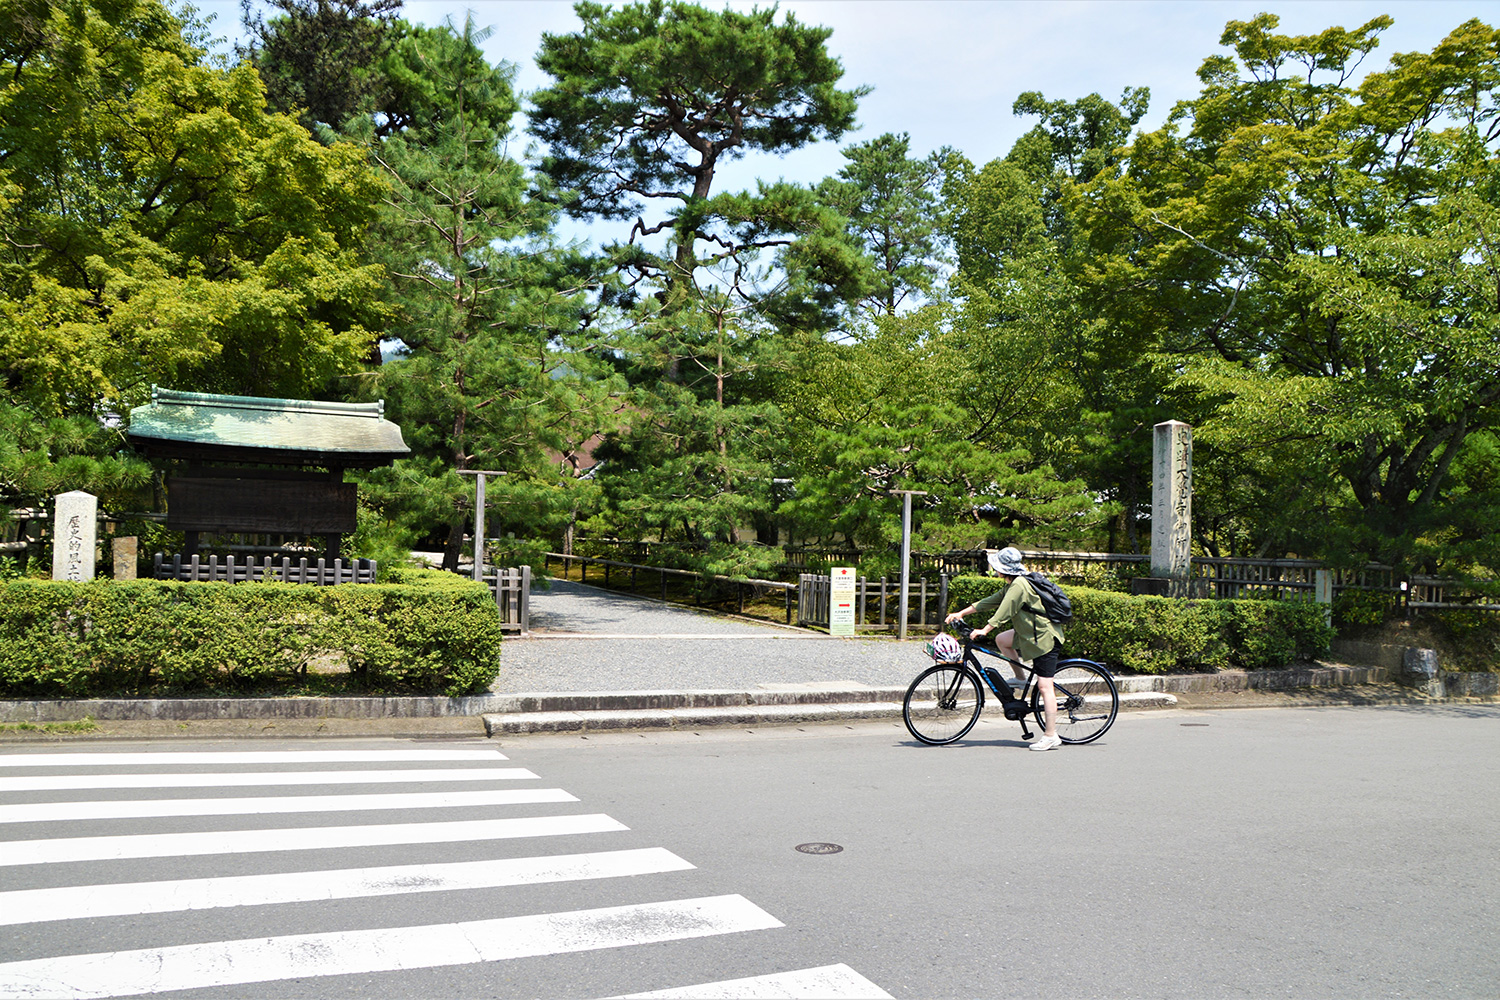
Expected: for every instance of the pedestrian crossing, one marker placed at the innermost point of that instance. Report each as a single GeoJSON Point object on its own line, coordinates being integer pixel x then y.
{"type": "Point", "coordinates": [93, 849]}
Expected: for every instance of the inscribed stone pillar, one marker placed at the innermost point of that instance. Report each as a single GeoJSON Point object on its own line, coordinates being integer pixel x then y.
{"type": "Point", "coordinates": [126, 548]}
{"type": "Point", "coordinates": [74, 536]}
{"type": "Point", "coordinates": [1172, 505]}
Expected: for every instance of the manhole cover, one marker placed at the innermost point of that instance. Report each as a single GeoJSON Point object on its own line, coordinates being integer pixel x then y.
{"type": "Point", "coordinates": [819, 848]}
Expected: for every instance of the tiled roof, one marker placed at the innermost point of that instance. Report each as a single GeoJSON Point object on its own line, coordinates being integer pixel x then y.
{"type": "Point", "coordinates": [274, 430]}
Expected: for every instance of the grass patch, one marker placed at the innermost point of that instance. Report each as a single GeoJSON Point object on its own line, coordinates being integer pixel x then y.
{"type": "Point", "coordinates": [83, 725]}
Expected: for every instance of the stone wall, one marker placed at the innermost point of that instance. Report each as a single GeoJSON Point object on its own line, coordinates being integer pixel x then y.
{"type": "Point", "coordinates": [1419, 668]}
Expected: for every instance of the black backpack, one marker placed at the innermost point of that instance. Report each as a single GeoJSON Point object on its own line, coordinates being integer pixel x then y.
{"type": "Point", "coordinates": [1055, 604]}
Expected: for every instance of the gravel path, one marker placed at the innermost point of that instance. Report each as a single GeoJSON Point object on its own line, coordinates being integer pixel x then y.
{"type": "Point", "coordinates": [589, 639]}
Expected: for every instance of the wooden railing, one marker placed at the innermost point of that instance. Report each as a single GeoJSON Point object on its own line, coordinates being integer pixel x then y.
{"type": "Point", "coordinates": [876, 603]}
{"type": "Point", "coordinates": [318, 572]}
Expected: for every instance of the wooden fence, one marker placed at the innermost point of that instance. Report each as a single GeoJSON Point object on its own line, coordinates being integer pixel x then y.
{"type": "Point", "coordinates": [1282, 579]}
{"type": "Point", "coordinates": [512, 590]}
{"type": "Point", "coordinates": [318, 572]}
{"type": "Point", "coordinates": [876, 602]}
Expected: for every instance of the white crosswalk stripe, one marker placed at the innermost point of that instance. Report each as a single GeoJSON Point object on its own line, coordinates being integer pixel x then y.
{"type": "Point", "coordinates": [166, 845]}
{"type": "Point", "coordinates": [251, 779]}
{"type": "Point", "coordinates": [838, 982]}
{"type": "Point", "coordinates": [50, 812]}
{"type": "Point", "coordinates": [25, 906]}
{"type": "Point", "coordinates": [220, 757]}
{"type": "Point", "coordinates": [230, 963]}
{"type": "Point", "coordinates": [388, 939]}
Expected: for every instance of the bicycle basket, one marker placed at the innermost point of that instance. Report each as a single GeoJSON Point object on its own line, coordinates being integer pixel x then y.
{"type": "Point", "coordinates": [944, 649]}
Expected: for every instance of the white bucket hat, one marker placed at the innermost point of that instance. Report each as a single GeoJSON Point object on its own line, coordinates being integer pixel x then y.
{"type": "Point", "coordinates": [1007, 562]}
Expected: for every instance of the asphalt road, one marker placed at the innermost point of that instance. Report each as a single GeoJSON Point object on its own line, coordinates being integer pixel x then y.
{"type": "Point", "coordinates": [1291, 852]}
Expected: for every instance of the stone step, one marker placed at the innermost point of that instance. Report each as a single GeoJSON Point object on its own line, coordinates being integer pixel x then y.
{"type": "Point", "coordinates": [746, 713]}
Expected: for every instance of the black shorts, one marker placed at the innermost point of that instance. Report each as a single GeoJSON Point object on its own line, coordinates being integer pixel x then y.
{"type": "Point", "coordinates": [1046, 664]}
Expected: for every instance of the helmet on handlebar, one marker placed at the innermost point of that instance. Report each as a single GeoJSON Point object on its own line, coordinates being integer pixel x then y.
{"type": "Point", "coordinates": [945, 649]}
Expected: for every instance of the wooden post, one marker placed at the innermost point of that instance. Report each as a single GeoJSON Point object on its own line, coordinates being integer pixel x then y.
{"type": "Point", "coordinates": [525, 598]}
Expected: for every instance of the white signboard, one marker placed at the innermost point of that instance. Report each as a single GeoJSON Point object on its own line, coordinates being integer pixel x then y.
{"type": "Point", "coordinates": [841, 601]}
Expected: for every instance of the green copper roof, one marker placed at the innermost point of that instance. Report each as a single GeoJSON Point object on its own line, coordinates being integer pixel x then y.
{"type": "Point", "coordinates": [300, 429]}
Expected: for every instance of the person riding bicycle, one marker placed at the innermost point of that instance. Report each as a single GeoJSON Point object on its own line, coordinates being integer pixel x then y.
{"type": "Point", "coordinates": [1031, 633]}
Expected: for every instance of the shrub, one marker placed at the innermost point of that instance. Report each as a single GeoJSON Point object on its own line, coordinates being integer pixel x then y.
{"type": "Point", "coordinates": [1364, 608]}
{"type": "Point", "coordinates": [1158, 634]}
{"type": "Point", "coordinates": [430, 633]}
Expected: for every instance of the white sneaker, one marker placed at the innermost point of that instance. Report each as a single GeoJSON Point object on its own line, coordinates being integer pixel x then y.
{"type": "Point", "coordinates": [1046, 743]}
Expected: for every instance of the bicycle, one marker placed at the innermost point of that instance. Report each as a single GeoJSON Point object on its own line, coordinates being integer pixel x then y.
{"type": "Point", "coordinates": [945, 700]}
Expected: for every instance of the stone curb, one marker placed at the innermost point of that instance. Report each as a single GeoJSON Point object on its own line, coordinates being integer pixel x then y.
{"type": "Point", "coordinates": [188, 709]}
{"type": "Point", "coordinates": [757, 714]}
{"type": "Point", "coordinates": [654, 709]}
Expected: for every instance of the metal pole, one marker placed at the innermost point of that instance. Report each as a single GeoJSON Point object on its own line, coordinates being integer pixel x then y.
{"type": "Point", "coordinates": [479, 526]}
{"type": "Point", "coordinates": [905, 562]}
{"type": "Point", "coordinates": [906, 496]}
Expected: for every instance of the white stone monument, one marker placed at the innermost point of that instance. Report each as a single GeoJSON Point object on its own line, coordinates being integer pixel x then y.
{"type": "Point", "coordinates": [1172, 506]}
{"type": "Point", "coordinates": [74, 536]}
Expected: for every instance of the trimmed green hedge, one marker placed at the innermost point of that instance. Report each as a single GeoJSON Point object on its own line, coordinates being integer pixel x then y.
{"type": "Point", "coordinates": [427, 633]}
{"type": "Point", "coordinates": [1157, 634]}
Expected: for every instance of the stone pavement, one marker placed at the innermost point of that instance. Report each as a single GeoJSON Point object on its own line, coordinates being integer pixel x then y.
{"type": "Point", "coordinates": [588, 639]}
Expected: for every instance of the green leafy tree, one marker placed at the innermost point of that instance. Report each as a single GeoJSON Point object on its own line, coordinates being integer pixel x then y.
{"type": "Point", "coordinates": [489, 372]}
{"type": "Point", "coordinates": [1316, 261]}
{"type": "Point", "coordinates": [895, 207]}
{"type": "Point", "coordinates": [900, 407]}
{"type": "Point", "coordinates": [648, 102]}
{"type": "Point", "coordinates": [651, 99]}
{"type": "Point", "coordinates": [322, 59]}
{"type": "Point", "coordinates": [1090, 389]}
{"type": "Point", "coordinates": [159, 227]}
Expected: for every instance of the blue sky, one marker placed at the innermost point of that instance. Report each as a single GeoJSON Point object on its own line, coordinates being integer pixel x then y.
{"type": "Point", "coordinates": [947, 71]}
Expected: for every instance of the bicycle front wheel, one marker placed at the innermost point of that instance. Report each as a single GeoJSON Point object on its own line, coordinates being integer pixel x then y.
{"type": "Point", "coordinates": [1087, 701]}
{"type": "Point", "coordinates": [942, 704]}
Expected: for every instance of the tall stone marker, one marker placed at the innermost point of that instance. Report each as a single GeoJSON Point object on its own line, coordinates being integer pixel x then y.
{"type": "Point", "coordinates": [125, 547]}
{"type": "Point", "coordinates": [74, 536]}
{"type": "Point", "coordinates": [1172, 506]}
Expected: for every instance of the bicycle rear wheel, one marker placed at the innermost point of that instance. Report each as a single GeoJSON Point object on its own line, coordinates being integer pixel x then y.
{"type": "Point", "coordinates": [1087, 701]}
{"type": "Point", "coordinates": [942, 704]}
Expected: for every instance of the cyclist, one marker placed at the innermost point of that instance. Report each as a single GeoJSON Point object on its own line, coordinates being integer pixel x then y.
{"type": "Point", "coordinates": [1031, 634]}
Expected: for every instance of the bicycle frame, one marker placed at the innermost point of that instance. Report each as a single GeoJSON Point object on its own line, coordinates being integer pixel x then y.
{"type": "Point", "coordinates": [1007, 697]}
{"type": "Point", "coordinates": [1016, 703]}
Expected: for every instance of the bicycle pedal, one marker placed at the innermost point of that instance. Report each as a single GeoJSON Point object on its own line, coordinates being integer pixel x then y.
{"type": "Point", "coordinates": [1028, 736]}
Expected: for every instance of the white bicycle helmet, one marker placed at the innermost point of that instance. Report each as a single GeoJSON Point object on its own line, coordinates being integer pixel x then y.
{"type": "Point", "coordinates": [945, 649]}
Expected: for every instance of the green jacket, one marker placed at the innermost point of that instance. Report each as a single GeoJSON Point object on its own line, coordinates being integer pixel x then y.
{"type": "Point", "coordinates": [1019, 606]}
